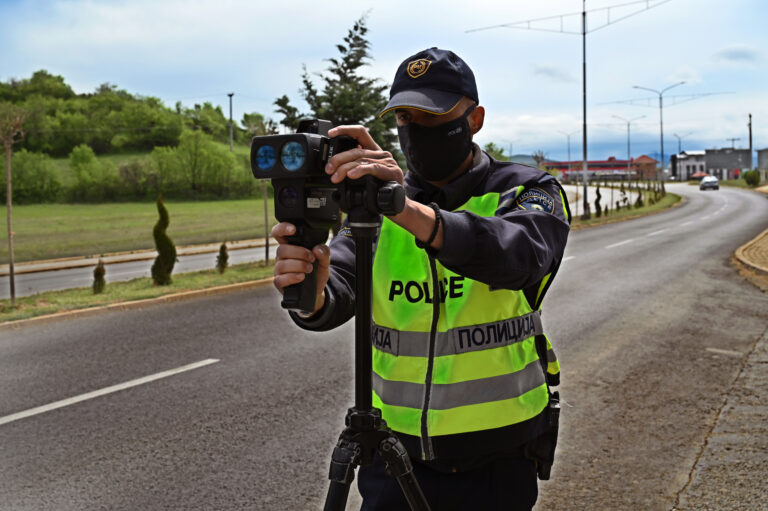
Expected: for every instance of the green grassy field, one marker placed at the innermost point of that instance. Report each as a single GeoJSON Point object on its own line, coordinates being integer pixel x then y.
{"type": "Point", "coordinates": [50, 231]}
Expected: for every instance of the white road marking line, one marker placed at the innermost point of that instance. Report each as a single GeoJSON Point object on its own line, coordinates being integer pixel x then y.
{"type": "Point", "coordinates": [630, 240]}
{"type": "Point", "coordinates": [726, 352]}
{"type": "Point", "coordinates": [568, 258]}
{"type": "Point", "coordinates": [704, 218]}
{"type": "Point", "coordinates": [104, 391]}
{"type": "Point", "coordinates": [689, 222]}
{"type": "Point", "coordinates": [656, 232]}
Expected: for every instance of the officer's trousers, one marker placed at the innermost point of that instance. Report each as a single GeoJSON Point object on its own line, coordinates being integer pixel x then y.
{"type": "Point", "coordinates": [509, 484]}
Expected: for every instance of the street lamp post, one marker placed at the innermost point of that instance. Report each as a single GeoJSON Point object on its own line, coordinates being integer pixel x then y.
{"type": "Point", "coordinates": [568, 136]}
{"type": "Point", "coordinates": [230, 94]}
{"type": "Point", "coordinates": [661, 114]}
{"type": "Point", "coordinates": [629, 151]}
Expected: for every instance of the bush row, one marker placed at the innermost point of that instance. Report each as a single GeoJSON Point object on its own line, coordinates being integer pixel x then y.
{"type": "Point", "coordinates": [197, 169]}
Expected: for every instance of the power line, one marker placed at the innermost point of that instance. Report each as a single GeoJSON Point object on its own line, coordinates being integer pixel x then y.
{"type": "Point", "coordinates": [527, 24]}
{"type": "Point", "coordinates": [676, 99]}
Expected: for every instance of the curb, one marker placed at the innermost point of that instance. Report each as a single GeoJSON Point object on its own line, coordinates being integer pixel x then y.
{"type": "Point", "coordinates": [745, 260]}
{"type": "Point", "coordinates": [137, 304]}
{"type": "Point", "coordinates": [66, 263]}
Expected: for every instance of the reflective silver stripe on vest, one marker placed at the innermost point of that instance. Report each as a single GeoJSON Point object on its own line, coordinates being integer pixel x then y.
{"type": "Point", "coordinates": [458, 340]}
{"type": "Point", "coordinates": [551, 357]}
{"type": "Point", "coordinates": [452, 395]}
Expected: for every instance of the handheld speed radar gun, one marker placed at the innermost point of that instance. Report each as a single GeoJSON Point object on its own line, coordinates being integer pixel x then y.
{"type": "Point", "coordinates": [306, 197]}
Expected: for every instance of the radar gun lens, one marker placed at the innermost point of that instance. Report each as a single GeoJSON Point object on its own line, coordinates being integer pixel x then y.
{"type": "Point", "coordinates": [266, 157]}
{"type": "Point", "coordinates": [293, 156]}
{"type": "Point", "coordinates": [288, 197]}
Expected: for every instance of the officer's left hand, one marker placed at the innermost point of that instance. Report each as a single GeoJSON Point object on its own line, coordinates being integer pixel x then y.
{"type": "Point", "coordinates": [367, 158]}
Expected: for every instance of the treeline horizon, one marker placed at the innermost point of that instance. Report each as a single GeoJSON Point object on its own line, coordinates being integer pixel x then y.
{"type": "Point", "coordinates": [182, 158]}
{"type": "Point", "coordinates": [112, 120]}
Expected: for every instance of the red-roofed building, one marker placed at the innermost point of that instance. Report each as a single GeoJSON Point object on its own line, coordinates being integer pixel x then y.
{"type": "Point", "coordinates": [643, 167]}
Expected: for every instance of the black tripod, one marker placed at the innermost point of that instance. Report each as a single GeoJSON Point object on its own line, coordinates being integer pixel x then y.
{"type": "Point", "coordinates": [366, 433]}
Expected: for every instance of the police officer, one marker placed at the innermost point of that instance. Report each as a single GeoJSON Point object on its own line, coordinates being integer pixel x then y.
{"type": "Point", "coordinates": [461, 365]}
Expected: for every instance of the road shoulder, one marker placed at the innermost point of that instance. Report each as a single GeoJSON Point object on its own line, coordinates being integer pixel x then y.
{"type": "Point", "coordinates": [729, 473]}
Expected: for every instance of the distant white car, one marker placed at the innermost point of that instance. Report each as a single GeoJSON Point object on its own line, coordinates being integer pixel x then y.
{"type": "Point", "coordinates": [709, 182]}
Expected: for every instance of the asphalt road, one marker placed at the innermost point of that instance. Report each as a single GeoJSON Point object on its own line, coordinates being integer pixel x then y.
{"type": "Point", "coordinates": [650, 322]}
{"type": "Point", "coordinates": [31, 283]}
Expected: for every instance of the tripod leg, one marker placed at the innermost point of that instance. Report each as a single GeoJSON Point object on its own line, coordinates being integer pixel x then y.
{"type": "Point", "coordinates": [342, 473]}
{"type": "Point", "coordinates": [399, 465]}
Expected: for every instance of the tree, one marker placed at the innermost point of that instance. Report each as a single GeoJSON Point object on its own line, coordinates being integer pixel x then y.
{"type": "Point", "coordinates": [346, 96]}
{"type": "Point", "coordinates": [222, 260]}
{"type": "Point", "coordinates": [208, 119]}
{"type": "Point", "coordinates": [206, 167]}
{"type": "Point", "coordinates": [35, 178]}
{"type": "Point", "coordinates": [598, 207]}
{"type": "Point", "coordinates": [166, 250]}
{"type": "Point", "coordinates": [752, 178]}
{"type": "Point", "coordinates": [256, 125]}
{"type": "Point", "coordinates": [539, 157]}
{"type": "Point", "coordinates": [99, 282]}
{"type": "Point", "coordinates": [496, 151]}
{"type": "Point", "coordinates": [11, 131]}
{"type": "Point", "coordinates": [94, 180]}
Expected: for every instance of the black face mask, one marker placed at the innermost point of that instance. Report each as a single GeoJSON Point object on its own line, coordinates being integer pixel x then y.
{"type": "Point", "coordinates": [434, 153]}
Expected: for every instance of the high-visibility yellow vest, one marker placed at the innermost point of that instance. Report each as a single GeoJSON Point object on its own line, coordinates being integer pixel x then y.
{"type": "Point", "coordinates": [450, 355]}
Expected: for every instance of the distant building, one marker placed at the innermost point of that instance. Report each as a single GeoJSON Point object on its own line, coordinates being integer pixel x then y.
{"type": "Point", "coordinates": [643, 167]}
{"type": "Point", "coordinates": [646, 167]}
{"type": "Point", "coordinates": [762, 159]}
{"type": "Point", "coordinates": [687, 163]}
{"type": "Point", "coordinates": [727, 163]}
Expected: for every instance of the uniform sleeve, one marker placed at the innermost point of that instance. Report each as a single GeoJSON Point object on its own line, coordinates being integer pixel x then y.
{"type": "Point", "coordinates": [339, 304]}
{"type": "Point", "coordinates": [516, 247]}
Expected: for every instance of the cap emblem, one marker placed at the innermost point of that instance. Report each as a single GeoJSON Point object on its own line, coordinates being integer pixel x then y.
{"type": "Point", "coordinates": [416, 68]}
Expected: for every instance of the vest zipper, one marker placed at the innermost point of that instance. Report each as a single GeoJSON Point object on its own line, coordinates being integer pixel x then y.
{"type": "Point", "coordinates": [426, 442]}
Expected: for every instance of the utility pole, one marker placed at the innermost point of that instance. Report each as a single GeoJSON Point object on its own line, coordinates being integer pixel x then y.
{"type": "Point", "coordinates": [750, 141]}
{"type": "Point", "coordinates": [642, 5]}
{"type": "Point", "coordinates": [12, 120]}
{"type": "Point", "coordinates": [585, 215]}
{"type": "Point", "coordinates": [230, 94]}
{"type": "Point", "coordinates": [733, 142]}
{"type": "Point", "coordinates": [679, 139]}
{"type": "Point", "coordinates": [661, 120]}
{"type": "Point", "coordinates": [568, 136]}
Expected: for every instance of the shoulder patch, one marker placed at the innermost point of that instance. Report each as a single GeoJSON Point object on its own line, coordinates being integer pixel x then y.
{"type": "Point", "coordinates": [345, 231]}
{"type": "Point", "coordinates": [535, 199]}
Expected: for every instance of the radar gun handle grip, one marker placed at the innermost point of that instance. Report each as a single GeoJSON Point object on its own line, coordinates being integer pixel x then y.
{"type": "Point", "coordinates": [301, 297]}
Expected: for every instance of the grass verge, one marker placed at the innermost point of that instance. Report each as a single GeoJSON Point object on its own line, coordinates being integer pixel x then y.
{"type": "Point", "coordinates": [670, 200]}
{"type": "Point", "coordinates": [50, 302]}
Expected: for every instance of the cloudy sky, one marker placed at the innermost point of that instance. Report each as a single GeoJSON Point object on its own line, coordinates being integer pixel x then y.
{"type": "Point", "coordinates": [529, 81]}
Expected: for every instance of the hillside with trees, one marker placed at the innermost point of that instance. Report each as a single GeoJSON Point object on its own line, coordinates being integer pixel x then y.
{"type": "Point", "coordinates": [111, 145]}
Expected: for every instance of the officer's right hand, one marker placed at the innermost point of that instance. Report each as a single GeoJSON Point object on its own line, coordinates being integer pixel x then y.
{"type": "Point", "coordinates": [293, 262]}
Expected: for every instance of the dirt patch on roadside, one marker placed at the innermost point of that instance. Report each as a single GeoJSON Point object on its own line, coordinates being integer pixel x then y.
{"type": "Point", "coordinates": [754, 276]}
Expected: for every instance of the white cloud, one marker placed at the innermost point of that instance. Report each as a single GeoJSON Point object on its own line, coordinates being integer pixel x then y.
{"type": "Point", "coordinates": [738, 54]}
{"type": "Point", "coordinates": [552, 73]}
